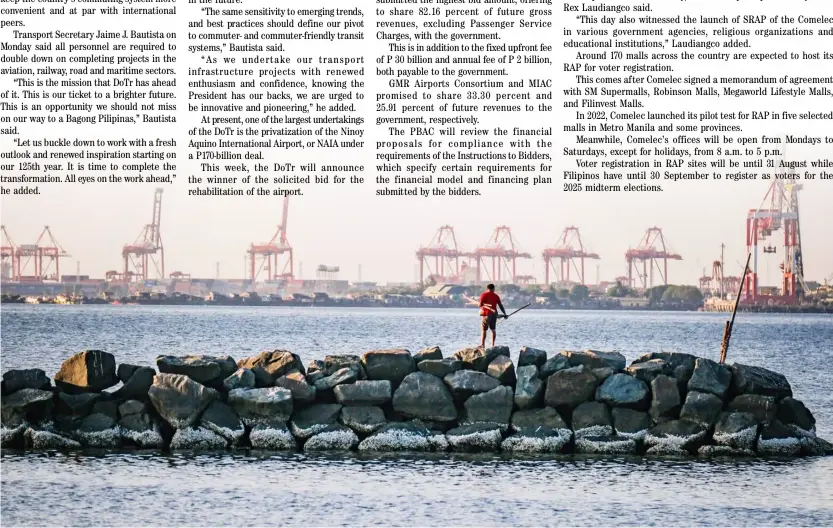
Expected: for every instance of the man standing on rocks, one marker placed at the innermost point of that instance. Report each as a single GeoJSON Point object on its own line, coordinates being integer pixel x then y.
{"type": "Point", "coordinates": [489, 303]}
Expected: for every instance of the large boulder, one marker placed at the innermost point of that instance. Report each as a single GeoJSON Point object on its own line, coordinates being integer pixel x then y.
{"type": "Point", "coordinates": [529, 388]}
{"type": "Point", "coordinates": [630, 423]}
{"type": "Point", "coordinates": [363, 420]}
{"type": "Point", "coordinates": [603, 373]}
{"type": "Point", "coordinates": [390, 365]}
{"type": "Point", "coordinates": [107, 406]}
{"type": "Point", "coordinates": [399, 436]}
{"type": "Point", "coordinates": [815, 446]}
{"type": "Point", "coordinates": [710, 377]}
{"type": "Point", "coordinates": [343, 375]}
{"type": "Point", "coordinates": [222, 420]}
{"type": "Point", "coordinates": [296, 383]}
{"type": "Point", "coordinates": [137, 426]}
{"type": "Point", "coordinates": [125, 371]}
{"type": "Point", "coordinates": [87, 371]}
{"type": "Point", "coordinates": [75, 405]}
{"type": "Point", "coordinates": [570, 387]}
{"type": "Point", "coordinates": [433, 352]}
{"type": "Point", "coordinates": [271, 365]}
{"type": "Point", "coordinates": [465, 383]}
{"type": "Point", "coordinates": [137, 386]}
{"type": "Point", "coordinates": [592, 419]}
{"type": "Point", "coordinates": [535, 419]}
{"type": "Point", "coordinates": [736, 429]}
{"type": "Point", "coordinates": [440, 367]}
{"type": "Point", "coordinates": [475, 437]}
{"type": "Point", "coordinates": [242, 378]}
{"type": "Point", "coordinates": [676, 435]}
{"type": "Point", "coordinates": [197, 439]}
{"type": "Point", "coordinates": [336, 438]}
{"type": "Point", "coordinates": [776, 440]}
{"type": "Point", "coordinates": [424, 396]}
{"type": "Point", "coordinates": [537, 440]}
{"type": "Point", "coordinates": [315, 419]}
{"type": "Point", "coordinates": [553, 365]}
{"type": "Point", "coordinates": [665, 398]}
{"type": "Point", "coordinates": [364, 392]}
{"type": "Point", "coordinates": [796, 416]}
{"type": "Point", "coordinates": [44, 439]}
{"type": "Point", "coordinates": [179, 399]}
{"type": "Point", "coordinates": [597, 359]}
{"type": "Point", "coordinates": [532, 356]}
{"type": "Point", "coordinates": [503, 370]}
{"type": "Point", "coordinates": [273, 436]}
{"type": "Point", "coordinates": [702, 408]}
{"type": "Point", "coordinates": [335, 362]}
{"type": "Point", "coordinates": [757, 380]}
{"type": "Point", "coordinates": [479, 358]}
{"type": "Point", "coordinates": [32, 405]}
{"type": "Point", "coordinates": [14, 380]}
{"type": "Point", "coordinates": [260, 406]}
{"type": "Point", "coordinates": [647, 371]}
{"type": "Point", "coordinates": [679, 366]}
{"type": "Point", "coordinates": [763, 408]}
{"type": "Point", "coordinates": [494, 406]}
{"type": "Point", "coordinates": [208, 370]}
{"type": "Point", "coordinates": [622, 390]}
{"type": "Point", "coordinates": [98, 430]}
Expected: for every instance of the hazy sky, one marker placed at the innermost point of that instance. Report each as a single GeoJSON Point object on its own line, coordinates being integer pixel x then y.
{"type": "Point", "coordinates": [348, 226]}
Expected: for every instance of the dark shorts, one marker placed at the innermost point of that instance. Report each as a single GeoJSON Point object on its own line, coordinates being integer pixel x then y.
{"type": "Point", "coordinates": [489, 321]}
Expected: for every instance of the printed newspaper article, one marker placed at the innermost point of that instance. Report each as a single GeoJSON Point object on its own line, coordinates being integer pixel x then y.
{"type": "Point", "coordinates": [599, 227]}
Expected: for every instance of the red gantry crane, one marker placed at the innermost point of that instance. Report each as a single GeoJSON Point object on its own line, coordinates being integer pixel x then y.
{"type": "Point", "coordinates": [778, 210]}
{"type": "Point", "coordinates": [34, 262]}
{"type": "Point", "coordinates": [652, 250]}
{"type": "Point", "coordinates": [275, 255]}
{"type": "Point", "coordinates": [7, 252]}
{"type": "Point", "coordinates": [147, 245]}
{"type": "Point", "coordinates": [444, 254]}
{"type": "Point", "coordinates": [570, 254]}
{"type": "Point", "coordinates": [503, 252]}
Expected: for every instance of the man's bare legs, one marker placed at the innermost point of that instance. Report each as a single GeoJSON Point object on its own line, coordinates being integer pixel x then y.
{"type": "Point", "coordinates": [494, 336]}
{"type": "Point", "coordinates": [483, 337]}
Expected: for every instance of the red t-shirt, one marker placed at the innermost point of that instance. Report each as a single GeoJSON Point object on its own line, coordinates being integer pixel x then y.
{"type": "Point", "coordinates": [490, 298]}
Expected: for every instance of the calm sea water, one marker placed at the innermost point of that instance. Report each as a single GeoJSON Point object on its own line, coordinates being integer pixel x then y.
{"type": "Point", "coordinates": [271, 489]}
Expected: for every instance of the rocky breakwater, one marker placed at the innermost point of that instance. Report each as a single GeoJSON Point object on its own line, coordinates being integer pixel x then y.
{"type": "Point", "coordinates": [391, 400]}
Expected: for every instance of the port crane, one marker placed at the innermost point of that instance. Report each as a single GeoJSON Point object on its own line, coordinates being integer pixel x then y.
{"type": "Point", "coordinates": [275, 256]}
{"type": "Point", "coordinates": [145, 249]}
{"type": "Point", "coordinates": [570, 254]}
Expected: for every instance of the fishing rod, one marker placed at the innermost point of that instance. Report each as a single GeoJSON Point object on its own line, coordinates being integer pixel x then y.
{"type": "Point", "coordinates": [516, 311]}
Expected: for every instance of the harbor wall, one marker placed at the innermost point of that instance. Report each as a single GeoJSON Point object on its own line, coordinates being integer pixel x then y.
{"type": "Point", "coordinates": [475, 400]}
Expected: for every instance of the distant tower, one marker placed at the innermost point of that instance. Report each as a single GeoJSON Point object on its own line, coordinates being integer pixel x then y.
{"type": "Point", "coordinates": [359, 279]}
